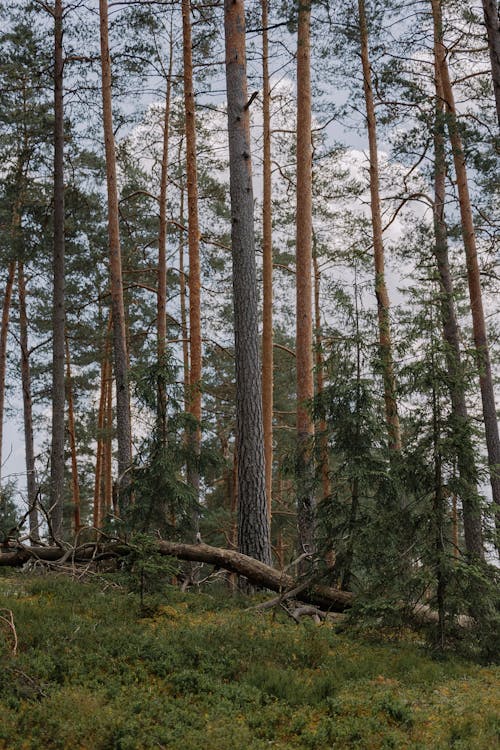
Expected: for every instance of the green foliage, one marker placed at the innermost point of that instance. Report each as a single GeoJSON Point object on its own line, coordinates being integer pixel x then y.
{"type": "Point", "coordinates": [94, 673]}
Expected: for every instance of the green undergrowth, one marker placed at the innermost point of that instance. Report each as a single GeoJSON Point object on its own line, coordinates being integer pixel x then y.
{"type": "Point", "coordinates": [196, 670]}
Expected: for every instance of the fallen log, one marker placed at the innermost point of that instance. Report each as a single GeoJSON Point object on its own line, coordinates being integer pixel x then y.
{"type": "Point", "coordinates": [257, 573]}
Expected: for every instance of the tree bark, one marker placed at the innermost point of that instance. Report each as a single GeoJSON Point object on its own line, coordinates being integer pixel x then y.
{"type": "Point", "coordinates": [162, 256]}
{"type": "Point", "coordinates": [56, 493]}
{"type": "Point", "coordinates": [4, 331]}
{"type": "Point", "coordinates": [253, 526]}
{"type": "Point", "coordinates": [383, 303]}
{"type": "Point", "coordinates": [306, 510]}
{"type": "Point", "coordinates": [267, 268]}
{"type": "Point", "coordinates": [492, 23]}
{"type": "Point", "coordinates": [123, 420]}
{"type": "Point", "coordinates": [257, 572]}
{"type": "Point", "coordinates": [29, 447]}
{"type": "Point", "coordinates": [465, 453]}
{"type": "Point", "coordinates": [473, 273]}
{"type": "Point", "coordinates": [72, 441]}
{"type": "Point", "coordinates": [194, 261]}
{"type": "Point", "coordinates": [320, 383]}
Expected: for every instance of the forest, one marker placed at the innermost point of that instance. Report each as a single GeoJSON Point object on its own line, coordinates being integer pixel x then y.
{"type": "Point", "coordinates": [250, 330]}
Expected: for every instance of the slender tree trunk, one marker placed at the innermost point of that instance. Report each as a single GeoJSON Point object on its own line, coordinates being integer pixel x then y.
{"type": "Point", "coordinates": [4, 330]}
{"type": "Point", "coordinates": [253, 526]}
{"type": "Point", "coordinates": [306, 510]}
{"type": "Point", "coordinates": [27, 408]}
{"type": "Point", "coordinates": [473, 274]}
{"type": "Point", "coordinates": [194, 258]}
{"type": "Point", "coordinates": [320, 383]}
{"type": "Point", "coordinates": [383, 304]}
{"type": "Point", "coordinates": [465, 452]}
{"type": "Point", "coordinates": [58, 321]}
{"type": "Point", "coordinates": [182, 291]}
{"type": "Point", "coordinates": [492, 23]}
{"type": "Point", "coordinates": [124, 434]}
{"type": "Point", "coordinates": [162, 256]}
{"type": "Point", "coordinates": [267, 268]}
{"type": "Point", "coordinates": [108, 445]}
{"type": "Point", "coordinates": [100, 447]}
{"type": "Point", "coordinates": [72, 440]}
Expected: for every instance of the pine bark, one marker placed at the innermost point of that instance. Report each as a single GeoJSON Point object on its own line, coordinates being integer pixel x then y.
{"type": "Point", "coordinates": [473, 273]}
{"type": "Point", "coordinates": [194, 259]}
{"type": "Point", "coordinates": [123, 420]}
{"type": "Point", "coordinates": [383, 303]}
{"type": "Point", "coordinates": [253, 526]}
{"type": "Point", "coordinates": [162, 256]}
{"type": "Point", "coordinates": [465, 453]}
{"type": "Point", "coordinates": [306, 510]}
{"type": "Point", "coordinates": [267, 268]}
{"type": "Point", "coordinates": [75, 485]}
{"type": "Point", "coordinates": [492, 23]}
{"type": "Point", "coordinates": [4, 331]}
{"type": "Point", "coordinates": [56, 493]}
{"type": "Point", "coordinates": [29, 447]}
{"type": "Point", "coordinates": [320, 383]}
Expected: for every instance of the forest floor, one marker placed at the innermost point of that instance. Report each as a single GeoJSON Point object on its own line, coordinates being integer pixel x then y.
{"type": "Point", "coordinates": [91, 670]}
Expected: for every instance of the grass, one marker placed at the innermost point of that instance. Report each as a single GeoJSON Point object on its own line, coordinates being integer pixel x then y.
{"type": "Point", "coordinates": [91, 673]}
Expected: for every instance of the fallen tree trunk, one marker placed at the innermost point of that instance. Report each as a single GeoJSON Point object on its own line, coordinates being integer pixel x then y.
{"type": "Point", "coordinates": [256, 572]}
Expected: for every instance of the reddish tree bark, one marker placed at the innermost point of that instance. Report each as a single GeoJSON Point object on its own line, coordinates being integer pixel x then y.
{"type": "Point", "coordinates": [72, 442]}
{"type": "Point", "coordinates": [306, 510]}
{"type": "Point", "coordinates": [383, 304]}
{"type": "Point", "coordinates": [267, 268]}
{"type": "Point", "coordinates": [492, 23]}
{"type": "Point", "coordinates": [194, 257]}
{"type": "Point", "coordinates": [473, 273]}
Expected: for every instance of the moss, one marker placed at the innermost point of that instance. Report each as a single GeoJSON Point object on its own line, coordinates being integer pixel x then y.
{"type": "Point", "coordinates": [91, 672]}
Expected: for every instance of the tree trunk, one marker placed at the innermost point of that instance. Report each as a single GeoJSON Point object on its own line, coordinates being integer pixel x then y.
{"type": "Point", "coordinates": [101, 420]}
{"type": "Point", "coordinates": [194, 260]}
{"type": "Point", "coordinates": [306, 510]}
{"type": "Point", "coordinates": [464, 449]}
{"type": "Point", "coordinates": [383, 304]}
{"type": "Point", "coordinates": [4, 330]}
{"type": "Point", "coordinates": [56, 493]}
{"type": "Point", "coordinates": [267, 269]}
{"type": "Point", "coordinates": [253, 526]}
{"type": "Point", "coordinates": [27, 408]}
{"type": "Point", "coordinates": [182, 292]}
{"type": "Point", "coordinates": [72, 441]}
{"type": "Point", "coordinates": [162, 257]}
{"type": "Point", "coordinates": [473, 274]}
{"type": "Point", "coordinates": [257, 572]}
{"type": "Point", "coordinates": [320, 384]}
{"type": "Point", "coordinates": [492, 23]}
{"type": "Point", "coordinates": [124, 435]}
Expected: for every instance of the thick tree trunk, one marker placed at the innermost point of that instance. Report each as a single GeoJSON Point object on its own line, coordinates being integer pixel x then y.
{"type": "Point", "coordinates": [492, 23]}
{"type": "Point", "coordinates": [383, 304]}
{"type": "Point", "coordinates": [162, 256]}
{"type": "Point", "coordinates": [257, 572]}
{"type": "Point", "coordinates": [473, 274]}
{"type": "Point", "coordinates": [464, 449]}
{"type": "Point", "coordinates": [306, 510]}
{"type": "Point", "coordinates": [267, 268]}
{"type": "Point", "coordinates": [253, 526]}
{"type": "Point", "coordinates": [124, 435]}
{"type": "Point", "coordinates": [56, 493]}
{"type": "Point", "coordinates": [194, 259]}
{"type": "Point", "coordinates": [4, 330]}
{"type": "Point", "coordinates": [72, 441]}
{"type": "Point", "coordinates": [29, 447]}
